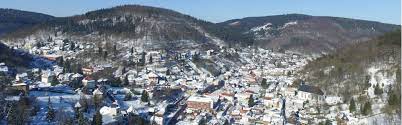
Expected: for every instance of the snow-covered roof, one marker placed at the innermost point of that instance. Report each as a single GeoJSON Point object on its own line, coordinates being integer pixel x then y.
{"type": "Point", "coordinates": [200, 99]}
{"type": "Point", "coordinates": [130, 109]}
{"type": "Point", "coordinates": [48, 73]}
{"type": "Point", "coordinates": [107, 114]}
{"type": "Point", "coordinates": [77, 75]}
{"type": "Point", "coordinates": [77, 105]}
{"type": "Point", "coordinates": [19, 84]}
{"type": "Point", "coordinates": [311, 89]}
{"type": "Point", "coordinates": [152, 75]}
{"type": "Point", "coordinates": [97, 92]}
{"type": "Point", "coordinates": [105, 110]}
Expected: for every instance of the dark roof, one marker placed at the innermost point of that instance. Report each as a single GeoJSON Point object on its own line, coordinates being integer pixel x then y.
{"type": "Point", "coordinates": [310, 89]}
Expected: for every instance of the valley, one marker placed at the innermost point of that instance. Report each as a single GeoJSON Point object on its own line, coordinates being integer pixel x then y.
{"type": "Point", "coordinates": [136, 64]}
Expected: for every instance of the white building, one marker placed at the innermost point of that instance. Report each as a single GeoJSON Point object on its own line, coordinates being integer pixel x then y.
{"type": "Point", "coordinates": [308, 92]}
{"type": "Point", "coordinates": [200, 103]}
{"type": "Point", "coordinates": [88, 82]}
{"type": "Point", "coordinates": [48, 77]}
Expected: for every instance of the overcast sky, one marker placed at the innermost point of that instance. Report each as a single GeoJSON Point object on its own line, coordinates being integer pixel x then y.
{"type": "Point", "coordinates": [387, 11]}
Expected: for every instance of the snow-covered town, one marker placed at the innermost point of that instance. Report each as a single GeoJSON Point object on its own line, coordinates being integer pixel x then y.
{"type": "Point", "coordinates": [132, 64]}
{"type": "Point", "coordinates": [195, 86]}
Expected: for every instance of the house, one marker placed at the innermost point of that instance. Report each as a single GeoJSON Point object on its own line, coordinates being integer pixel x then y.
{"type": "Point", "coordinates": [87, 70]}
{"type": "Point", "coordinates": [22, 86]}
{"type": "Point", "coordinates": [152, 78]}
{"type": "Point", "coordinates": [3, 68]}
{"type": "Point", "coordinates": [158, 117]}
{"type": "Point", "coordinates": [88, 82]}
{"type": "Point", "coordinates": [155, 56]}
{"type": "Point", "coordinates": [309, 92]}
{"type": "Point", "coordinates": [48, 77]}
{"type": "Point", "coordinates": [342, 119]}
{"type": "Point", "coordinates": [200, 103]}
{"type": "Point", "coordinates": [333, 100]}
{"type": "Point", "coordinates": [56, 58]}
{"type": "Point", "coordinates": [77, 105]}
{"type": "Point", "coordinates": [108, 114]}
{"type": "Point", "coordinates": [21, 77]}
{"type": "Point", "coordinates": [97, 92]}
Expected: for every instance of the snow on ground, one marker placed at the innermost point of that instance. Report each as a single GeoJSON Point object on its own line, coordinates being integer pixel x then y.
{"type": "Point", "coordinates": [62, 98]}
{"type": "Point", "coordinates": [266, 26]}
{"type": "Point", "coordinates": [59, 101]}
{"type": "Point", "coordinates": [379, 77]}
{"type": "Point", "coordinates": [379, 119]}
{"type": "Point", "coordinates": [288, 24]}
{"type": "Point", "coordinates": [235, 23]}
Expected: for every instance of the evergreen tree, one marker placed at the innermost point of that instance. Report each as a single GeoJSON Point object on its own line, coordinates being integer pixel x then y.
{"type": "Point", "coordinates": [226, 122]}
{"type": "Point", "coordinates": [168, 71]}
{"type": "Point", "coordinates": [328, 122]}
{"type": "Point", "coordinates": [393, 99]}
{"type": "Point", "coordinates": [12, 116]}
{"type": "Point", "coordinates": [203, 121]}
{"type": "Point", "coordinates": [97, 101]}
{"type": "Point", "coordinates": [377, 90]}
{"type": "Point", "coordinates": [62, 117]}
{"type": "Point", "coordinates": [367, 80]}
{"type": "Point", "coordinates": [142, 60]}
{"type": "Point", "coordinates": [134, 119]}
{"type": "Point", "coordinates": [35, 109]}
{"type": "Point", "coordinates": [144, 96]}
{"type": "Point", "coordinates": [17, 113]}
{"type": "Point", "coordinates": [150, 59]}
{"type": "Point", "coordinates": [50, 111]}
{"type": "Point", "coordinates": [115, 49]}
{"type": "Point", "coordinates": [68, 121]}
{"type": "Point", "coordinates": [123, 70]}
{"type": "Point", "coordinates": [264, 83]}
{"type": "Point", "coordinates": [84, 102]}
{"type": "Point", "coordinates": [128, 97]}
{"type": "Point", "coordinates": [72, 45]}
{"type": "Point", "coordinates": [251, 102]}
{"type": "Point", "coordinates": [81, 119]}
{"type": "Point", "coordinates": [61, 61]}
{"type": "Point", "coordinates": [49, 39]}
{"type": "Point", "coordinates": [55, 82]}
{"type": "Point", "coordinates": [104, 54]}
{"type": "Point", "coordinates": [289, 73]}
{"type": "Point", "coordinates": [97, 119]}
{"type": "Point", "coordinates": [366, 108]}
{"type": "Point", "coordinates": [352, 105]}
{"type": "Point", "coordinates": [125, 81]}
{"type": "Point", "coordinates": [100, 50]}
{"type": "Point", "coordinates": [196, 57]}
{"type": "Point", "coordinates": [66, 66]}
{"type": "Point", "coordinates": [79, 69]}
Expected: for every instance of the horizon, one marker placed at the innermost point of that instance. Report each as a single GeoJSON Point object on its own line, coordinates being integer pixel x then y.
{"type": "Point", "coordinates": [379, 11]}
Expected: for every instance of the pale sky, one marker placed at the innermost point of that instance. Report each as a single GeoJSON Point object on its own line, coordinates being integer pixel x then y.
{"type": "Point", "coordinates": [387, 11]}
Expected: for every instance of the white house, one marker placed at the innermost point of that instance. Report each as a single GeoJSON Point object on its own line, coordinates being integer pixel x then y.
{"type": "Point", "coordinates": [88, 82]}
{"type": "Point", "coordinates": [308, 92]}
{"type": "Point", "coordinates": [48, 77]}
{"type": "Point", "coordinates": [200, 103]}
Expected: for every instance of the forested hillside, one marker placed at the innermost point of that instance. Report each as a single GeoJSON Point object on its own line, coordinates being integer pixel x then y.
{"type": "Point", "coordinates": [13, 58]}
{"type": "Point", "coordinates": [368, 68]}
{"type": "Point", "coordinates": [305, 33]}
{"type": "Point", "coordinates": [11, 20]}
